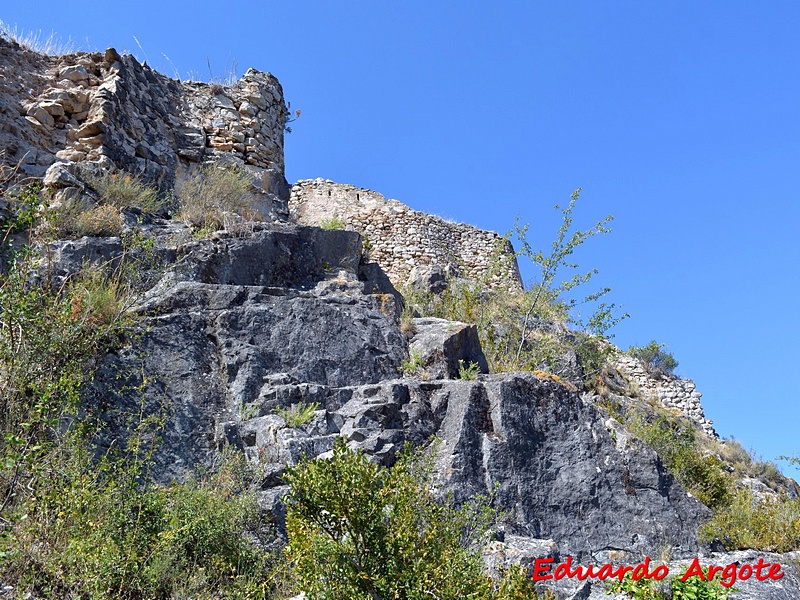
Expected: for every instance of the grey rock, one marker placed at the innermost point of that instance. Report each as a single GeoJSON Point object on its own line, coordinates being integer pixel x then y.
{"type": "Point", "coordinates": [442, 344]}
{"type": "Point", "coordinates": [286, 258]}
{"type": "Point", "coordinates": [428, 278]}
{"type": "Point", "coordinates": [60, 175]}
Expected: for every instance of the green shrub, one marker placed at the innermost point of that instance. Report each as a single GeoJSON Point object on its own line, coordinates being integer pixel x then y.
{"type": "Point", "coordinates": [298, 414]}
{"type": "Point", "coordinates": [527, 330]}
{"type": "Point", "coordinates": [211, 194]}
{"type": "Point", "coordinates": [334, 222]}
{"type": "Point", "coordinates": [25, 204]}
{"type": "Point", "coordinates": [358, 530]}
{"type": "Point", "coordinates": [674, 440]}
{"type": "Point", "coordinates": [694, 588]}
{"type": "Point", "coordinates": [656, 360]}
{"type": "Point", "coordinates": [412, 364]}
{"type": "Point", "coordinates": [80, 521]}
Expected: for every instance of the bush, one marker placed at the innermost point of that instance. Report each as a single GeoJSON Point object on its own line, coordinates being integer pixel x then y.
{"type": "Point", "coordinates": [527, 330]}
{"type": "Point", "coordinates": [657, 361]}
{"type": "Point", "coordinates": [359, 531]}
{"type": "Point", "coordinates": [694, 588]}
{"type": "Point", "coordinates": [80, 521]}
{"type": "Point", "coordinates": [211, 195]}
{"type": "Point", "coordinates": [335, 222]}
{"type": "Point", "coordinates": [772, 525]}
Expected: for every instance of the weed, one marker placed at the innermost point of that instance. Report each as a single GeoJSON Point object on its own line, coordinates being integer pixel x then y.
{"type": "Point", "coordinates": [674, 440]}
{"type": "Point", "coordinates": [52, 45]}
{"type": "Point", "coordinates": [298, 414]}
{"type": "Point", "coordinates": [407, 326]}
{"type": "Point", "coordinates": [412, 364]}
{"type": "Point", "coordinates": [772, 524]}
{"type": "Point", "coordinates": [124, 190]}
{"type": "Point", "coordinates": [468, 372]}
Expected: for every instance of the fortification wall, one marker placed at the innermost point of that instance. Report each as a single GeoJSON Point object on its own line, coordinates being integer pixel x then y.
{"type": "Point", "coordinates": [673, 392]}
{"type": "Point", "coordinates": [110, 109]}
{"type": "Point", "coordinates": [401, 238]}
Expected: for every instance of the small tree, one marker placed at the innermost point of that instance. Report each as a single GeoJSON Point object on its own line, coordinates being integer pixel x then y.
{"type": "Point", "coordinates": [548, 291]}
{"type": "Point", "coordinates": [655, 358]}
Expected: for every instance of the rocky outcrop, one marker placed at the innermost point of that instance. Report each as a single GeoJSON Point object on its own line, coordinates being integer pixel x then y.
{"type": "Point", "coordinates": [233, 317]}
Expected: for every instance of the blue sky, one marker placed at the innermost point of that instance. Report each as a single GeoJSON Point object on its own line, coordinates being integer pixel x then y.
{"type": "Point", "coordinates": [681, 119]}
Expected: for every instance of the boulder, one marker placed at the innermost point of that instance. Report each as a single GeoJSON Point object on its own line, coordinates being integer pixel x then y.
{"type": "Point", "coordinates": [444, 346]}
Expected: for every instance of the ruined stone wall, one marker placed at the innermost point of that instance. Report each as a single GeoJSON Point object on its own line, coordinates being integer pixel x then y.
{"type": "Point", "coordinates": [401, 238]}
{"type": "Point", "coordinates": [673, 392]}
{"type": "Point", "coordinates": [109, 109]}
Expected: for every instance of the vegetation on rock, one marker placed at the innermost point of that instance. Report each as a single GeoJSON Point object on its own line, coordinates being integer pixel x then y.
{"type": "Point", "coordinates": [211, 197]}
{"type": "Point", "coordinates": [528, 331]}
{"type": "Point", "coordinates": [80, 519]}
{"type": "Point", "coordinates": [655, 358]}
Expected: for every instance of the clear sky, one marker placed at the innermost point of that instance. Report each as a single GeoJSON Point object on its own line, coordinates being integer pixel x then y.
{"type": "Point", "coordinates": [680, 118]}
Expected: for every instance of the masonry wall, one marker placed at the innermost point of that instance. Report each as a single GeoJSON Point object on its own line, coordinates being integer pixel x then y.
{"type": "Point", "coordinates": [673, 392]}
{"type": "Point", "coordinates": [110, 109]}
{"type": "Point", "coordinates": [401, 238]}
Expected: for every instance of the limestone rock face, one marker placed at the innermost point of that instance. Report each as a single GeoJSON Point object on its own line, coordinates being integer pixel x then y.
{"type": "Point", "coordinates": [562, 472]}
{"type": "Point", "coordinates": [233, 316]}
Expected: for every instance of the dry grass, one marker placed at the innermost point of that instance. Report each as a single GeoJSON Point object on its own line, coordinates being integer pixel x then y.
{"type": "Point", "coordinates": [124, 190]}
{"type": "Point", "coordinates": [209, 195]}
{"type": "Point", "coordinates": [36, 41]}
{"type": "Point", "coordinates": [74, 219]}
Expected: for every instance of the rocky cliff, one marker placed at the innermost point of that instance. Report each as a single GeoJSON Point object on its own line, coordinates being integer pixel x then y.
{"type": "Point", "coordinates": [241, 329]}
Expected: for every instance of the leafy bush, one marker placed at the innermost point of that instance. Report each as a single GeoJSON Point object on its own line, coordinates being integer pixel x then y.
{"type": "Point", "coordinates": [210, 195]}
{"type": "Point", "coordinates": [656, 360]}
{"type": "Point", "coordinates": [25, 209]}
{"type": "Point", "coordinates": [694, 588]}
{"type": "Point", "coordinates": [357, 530]}
{"type": "Point", "coordinates": [334, 222]}
{"type": "Point", "coordinates": [80, 521]}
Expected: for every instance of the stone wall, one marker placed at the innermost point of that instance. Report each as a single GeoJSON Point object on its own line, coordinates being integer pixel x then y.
{"type": "Point", "coordinates": [673, 392]}
{"type": "Point", "coordinates": [401, 238]}
{"type": "Point", "coordinates": [109, 109]}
